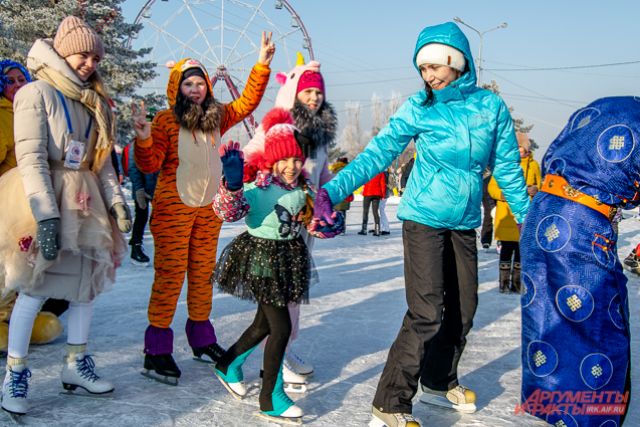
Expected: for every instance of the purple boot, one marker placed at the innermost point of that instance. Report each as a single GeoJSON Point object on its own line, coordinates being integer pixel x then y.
{"type": "Point", "coordinates": [158, 361]}
{"type": "Point", "coordinates": [203, 341]}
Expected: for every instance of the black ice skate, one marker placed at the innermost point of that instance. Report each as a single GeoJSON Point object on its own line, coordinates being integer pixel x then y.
{"type": "Point", "coordinates": [162, 368]}
{"type": "Point", "coordinates": [632, 263]}
{"type": "Point", "coordinates": [138, 257]}
{"type": "Point", "coordinates": [209, 354]}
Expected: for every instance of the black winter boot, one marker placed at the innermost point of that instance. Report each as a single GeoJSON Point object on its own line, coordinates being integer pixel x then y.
{"type": "Point", "coordinates": [515, 279]}
{"type": "Point", "coordinates": [505, 277]}
{"type": "Point", "coordinates": [363, 232]}
{"type": "Point", "coordinates": [138, 256]}
{"type": "Point", "coordinates": [376, 230]}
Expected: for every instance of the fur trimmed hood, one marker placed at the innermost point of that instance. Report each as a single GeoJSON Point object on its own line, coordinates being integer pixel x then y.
{"type": "Point", "coordinates": [319, 128]}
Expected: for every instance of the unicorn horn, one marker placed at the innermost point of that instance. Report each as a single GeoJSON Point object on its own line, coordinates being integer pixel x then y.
{"type": "Point", "coordinates": [299, 59]}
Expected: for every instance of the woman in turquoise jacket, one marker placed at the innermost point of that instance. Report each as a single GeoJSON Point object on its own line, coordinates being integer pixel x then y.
{"type": "Point", "coordinates": [459, 130]}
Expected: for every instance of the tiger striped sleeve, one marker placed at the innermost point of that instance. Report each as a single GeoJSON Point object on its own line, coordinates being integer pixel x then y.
{"type": "Point", "coordinates": [251, 96]}
{"type": "Point", "coordinates": [150, 153]}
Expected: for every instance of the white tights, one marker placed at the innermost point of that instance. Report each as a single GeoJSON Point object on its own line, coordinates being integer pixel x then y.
{"type": "Point", "coordinates": [24, 313]}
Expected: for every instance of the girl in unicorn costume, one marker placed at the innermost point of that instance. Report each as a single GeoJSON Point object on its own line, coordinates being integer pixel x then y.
{"type": "Point", "coordinates": [303, 94]}
{"type": "Point", "coordinates": [575, 316]}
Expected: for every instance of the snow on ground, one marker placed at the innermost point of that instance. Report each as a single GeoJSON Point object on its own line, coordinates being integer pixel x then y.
{"type": "Point", "coordinates": [347, 329]}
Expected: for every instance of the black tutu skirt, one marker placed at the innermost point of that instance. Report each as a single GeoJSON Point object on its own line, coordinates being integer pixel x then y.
{"type": "Point", "coordinates": [271, 272]}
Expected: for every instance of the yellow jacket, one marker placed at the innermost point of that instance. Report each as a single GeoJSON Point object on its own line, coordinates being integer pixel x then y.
{"type": "Point", "coordinates": [7, 151]}
{"type": "Point", "coordinates": [504, 223]}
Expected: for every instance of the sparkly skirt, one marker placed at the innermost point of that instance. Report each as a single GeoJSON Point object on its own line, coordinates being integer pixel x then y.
{"type": "Point", "coordinates": [272, 272]}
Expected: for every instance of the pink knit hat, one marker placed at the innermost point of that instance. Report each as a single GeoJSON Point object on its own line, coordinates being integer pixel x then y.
{"type": "Point", "coordinates": [76, 36]}
{"type": "Point", "coordinates": [279, 139]}
{"type": "Point", "coordinates": [310, 79]}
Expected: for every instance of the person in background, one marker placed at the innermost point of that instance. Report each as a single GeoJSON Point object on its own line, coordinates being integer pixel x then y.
{"type": "Point", "coordinates": [373, 191]}
{"type": "Point", "coordinates": [440, 210]}
{"type": "Point", "coordinates": [405, 173]}
{"type": "Point", "coordinates": [488, 203]}
{"type": "Point", "coordinates": [384, 221]}
{"type": "Point", "coordinates": [344, 205]}
{"type": "Point", "coordinates": [505, 224]}
{"type": "Point", "coordinates": [63, 209]}
{"type": "Point", "coordinates": [143, 186]}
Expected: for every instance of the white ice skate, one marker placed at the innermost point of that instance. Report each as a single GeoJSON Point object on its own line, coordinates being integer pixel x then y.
{"type": "Point", "coordinates": [234, 386]}
{"type": "Point", "coordinates": [293, 383]}
{"type": "Point", "coordinates": [459, 398]}
{"type": "Point", "coordinates": [296, 364]}
{"type": "Point", "coordinates": [14, 391]}
{"type": "Point", "coordinates": [79, 371]}
{"type": "Point", "coordinates": [382, 419]}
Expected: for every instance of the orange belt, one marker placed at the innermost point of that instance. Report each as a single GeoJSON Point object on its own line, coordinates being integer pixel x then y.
{"type": "Point", "coordinates": [558, 186]}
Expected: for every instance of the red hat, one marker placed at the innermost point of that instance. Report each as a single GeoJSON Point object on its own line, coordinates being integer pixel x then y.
{"type": "Point", "coordinates": [310, 79]}
{"type": "Point", "coordinates": [280, 137]}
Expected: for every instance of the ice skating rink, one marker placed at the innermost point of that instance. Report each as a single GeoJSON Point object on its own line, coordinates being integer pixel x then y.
{"type": "Point", "coordinates": [354, 315]}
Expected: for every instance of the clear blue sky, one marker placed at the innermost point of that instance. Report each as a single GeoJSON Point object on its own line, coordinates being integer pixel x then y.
{"type": "Point", "coordinates": [366, 47]}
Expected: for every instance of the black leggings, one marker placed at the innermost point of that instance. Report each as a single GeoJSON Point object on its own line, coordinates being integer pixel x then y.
{"type": "Point", "coordinates": [371, 200]}
{"type": "Point", "coordinates": [275, 323]}
{"type": "Point", "coordinates": [509, 250]}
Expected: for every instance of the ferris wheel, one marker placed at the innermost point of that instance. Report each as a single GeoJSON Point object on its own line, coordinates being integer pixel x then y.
{"type": "Point", "coordinates": [225, 36]}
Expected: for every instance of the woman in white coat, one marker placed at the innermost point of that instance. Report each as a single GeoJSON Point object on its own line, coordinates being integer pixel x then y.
{"type": "Point", "coordinates": [63, 209]}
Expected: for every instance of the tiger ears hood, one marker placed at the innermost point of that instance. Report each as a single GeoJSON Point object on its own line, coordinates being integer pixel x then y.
{"type": "Point", "coordinates": [175, 77]}
{"type": "Point", "coordinates": [287, 94]}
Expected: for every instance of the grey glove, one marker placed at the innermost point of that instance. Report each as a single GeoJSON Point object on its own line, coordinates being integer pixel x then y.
{"type": "Point", "coordinates": [123, 217]}
{"type": "Point", "coordinates": [141, 198]}
{"type": "Point", "coordinates": [49, 238]}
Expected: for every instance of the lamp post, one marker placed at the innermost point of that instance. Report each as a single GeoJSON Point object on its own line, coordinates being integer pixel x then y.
{"type": "Point", "coordinates": [480, 34]}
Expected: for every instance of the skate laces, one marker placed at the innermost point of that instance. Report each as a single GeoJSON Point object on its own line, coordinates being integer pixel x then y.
{"type": "Point", "coordinates": [86, 367]}
{"type": "Point", "coordinates": [19, 383]}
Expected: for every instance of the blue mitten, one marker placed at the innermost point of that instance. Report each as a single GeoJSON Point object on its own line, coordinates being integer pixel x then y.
{"type": "Point", "coordinates": [232, 165]}
{"type": "Point", "coordinates": [48, 236]}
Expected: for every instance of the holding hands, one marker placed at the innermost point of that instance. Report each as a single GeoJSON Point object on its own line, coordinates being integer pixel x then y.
{"type": "Point", "coordinates": [326, 223]}
{"type": "Point", "coordinates": [141, 126]}
{"type": "Point", "coordinates": [267, 49]}
{"type": "Point", "coordinates": [232, 164]}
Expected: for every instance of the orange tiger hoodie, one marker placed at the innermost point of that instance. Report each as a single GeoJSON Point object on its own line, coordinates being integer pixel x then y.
{"type": "Point", "coordinates": [183, 224]}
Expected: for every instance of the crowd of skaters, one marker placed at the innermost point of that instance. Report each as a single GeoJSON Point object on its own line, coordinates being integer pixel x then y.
{"type": "Point", "coordinates": [62, 239]}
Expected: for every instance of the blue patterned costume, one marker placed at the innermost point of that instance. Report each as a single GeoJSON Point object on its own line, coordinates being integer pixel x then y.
{"type": "Point", "coordinates": [575, 316]}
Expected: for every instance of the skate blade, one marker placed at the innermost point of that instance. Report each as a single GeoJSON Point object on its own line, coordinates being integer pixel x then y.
{"type": "Point", "coordinates": [202, 360]}
{"type": "Point", "coordinates": [434, 399]}
{"type": "Point", "coordinates": [295, 387]}
{"type": "Point", "coordinates": [15, 417]}
{"type": "Point", "coordinates": [160, 378]}
{"type": "Point", "coordinates": [280, 420]}
{"type": "Point", "coordinates": [140, 264]}
{"type": "Point", "coordinates": [229, 389]}
{"type": "Point", "coordinates": [106, 395]}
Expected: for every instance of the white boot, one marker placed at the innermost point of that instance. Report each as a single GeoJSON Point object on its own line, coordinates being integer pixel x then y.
{"type": "Point", "coordinates": [79, 371]}
{"type": "Point", "coordinates": [291, 377]}
{"type": "Point", "coordinates": [296, 364]}
{"type": "Point", "coordinates": [14, 389]}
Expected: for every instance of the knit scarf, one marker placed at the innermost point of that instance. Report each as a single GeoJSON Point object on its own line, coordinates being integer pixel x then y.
{"type": "Point", "coordinates": [96, 104]}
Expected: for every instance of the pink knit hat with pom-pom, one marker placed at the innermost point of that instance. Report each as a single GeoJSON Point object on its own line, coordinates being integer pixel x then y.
{"type": "Point", "coordinates": [280, 137]}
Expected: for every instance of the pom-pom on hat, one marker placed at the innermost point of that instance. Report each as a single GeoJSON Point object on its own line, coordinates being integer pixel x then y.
{"type": "Point", "coordinates": [441, 54]}
{"type": "Point", "coordinates": [280, 137]}
{"type": "Point", "coordinates": [76, 36]}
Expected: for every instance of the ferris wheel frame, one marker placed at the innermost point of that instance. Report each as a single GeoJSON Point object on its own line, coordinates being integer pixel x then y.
{"type": "Point", "coordinates": [222, 73]}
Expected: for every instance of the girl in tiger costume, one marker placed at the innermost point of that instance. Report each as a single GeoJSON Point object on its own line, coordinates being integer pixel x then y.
{"type": "Point", "coordinates": [180, 143]}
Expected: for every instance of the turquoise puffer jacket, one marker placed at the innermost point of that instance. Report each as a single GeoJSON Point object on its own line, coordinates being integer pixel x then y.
{"type": "Point", "coordinates": [464, 130]}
